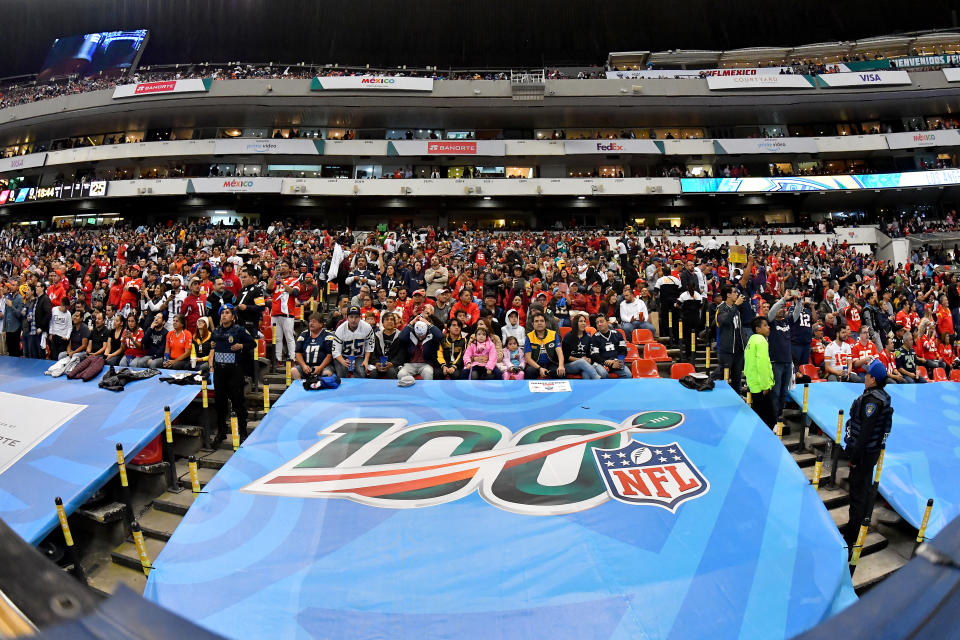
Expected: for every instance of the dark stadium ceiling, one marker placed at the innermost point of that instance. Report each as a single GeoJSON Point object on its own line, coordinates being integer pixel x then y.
{"type": "Point", "coordinates": [487, 34]}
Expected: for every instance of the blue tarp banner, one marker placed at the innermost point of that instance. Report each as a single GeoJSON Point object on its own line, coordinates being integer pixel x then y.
{"type": "Point", "coordinates": [922, 459]}
{"type": "Point", "coordinates": [80, 455]}
{"type": "Point", "coordinates": [615, 509]}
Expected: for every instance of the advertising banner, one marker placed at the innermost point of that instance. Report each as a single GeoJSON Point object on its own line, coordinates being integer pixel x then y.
{"type": "Point", "coordinates": [234, 185]}
{"type": "Point", "coordinates": [480, 510]}
{"type": "Point", "coordinates": [367, 83]}
{"type": "Point", "coordinates": [912, 62]}
{"type": "Point", "coordinates": [833, 144]}
{"type": "Point", "coordinates": [26, 422]}
{"type": "Point", "coordinates": [920, 463]}
{"type": "Point", "coordinates": [736, 146]}
{"type": "Point", "coordinates": [576, 147]}
{"type": "Point", "coordinates": [16, 163]}
{"type": "Point", "coordinates": [267, 146]}
{"type": "Point", "coordinates": [821, 183]}
{"type": "Point", "coordinates": [446, 148]}
{"type": "Point", "coordinates": [914, 139]}
{"type": "Point", "coordinates": [193, 85]}
{"type": "Point", "coordinates": [952, 74]}
{"type": "Point", "coordinates": [864, 79]}
{"type": "Point", "coordinates": [694, 73]}
{"type": "Point", "coordinates": [758, 81]}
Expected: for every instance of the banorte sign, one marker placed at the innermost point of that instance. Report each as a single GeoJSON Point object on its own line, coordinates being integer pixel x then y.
{"type": "Point", "coordinates": [155, 87]}
{"type": "Point", "coordinates": [456, 147]}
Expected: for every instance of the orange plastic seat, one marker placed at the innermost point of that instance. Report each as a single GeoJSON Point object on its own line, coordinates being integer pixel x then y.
{"type": "Point", "coordinates": [681, 369]}
{"type": "Point", "coordinates": [939, 375]}
{"type": "Point", "coordinates": [656, 352]}
{"type": "Point", "coordinates": [591, 330]}
{"type": "Point", "coordinates": [632, 353]}
{"type": "Point", "coordinates": [644, 369]}
{"type": "Point", "coordinates": [563, 331]}
{"type": "Point", "coordinates": [811, 371]}
{"type": "Point", "coordinates": [642, 336]}
{"type": "Point", "coordinates": [922, 372]}
{"type": "Point", "coordinates": [955, 375]}
{"type": "Point", "coordinates": [622, 333]}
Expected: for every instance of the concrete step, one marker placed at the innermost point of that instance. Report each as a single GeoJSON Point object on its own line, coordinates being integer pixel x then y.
{"type": "Point", "coordinates": [874, 568]}
{"type": "Point", "coordinates": [873, 543]}
{"type": "Point", "coordinates": [105, 513]}
{"type": "Point", "coordinates": [108, 576]}
{"type": "Point", "coordinates": [183, 475]}
{"type": "Point", "coordinates": [127, 556]}
{"type": "Point", "coordinates": [840, 515]}
{"type": "Point", "coordinates": [159, 524]}
{"type": "Point", "coordinates": [176, 503]}
{"type": "Point", "coordinates": [215, 459]}
{"type": "Point", "coordinates": [804, 459]}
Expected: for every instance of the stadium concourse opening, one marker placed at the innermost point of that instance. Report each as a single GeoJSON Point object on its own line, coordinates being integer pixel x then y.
{"type": "Point", "coordinates": [437, 339]}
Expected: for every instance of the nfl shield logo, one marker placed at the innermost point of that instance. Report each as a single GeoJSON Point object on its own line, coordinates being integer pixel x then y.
{"type": "Point", "coordinates": [660, 475]}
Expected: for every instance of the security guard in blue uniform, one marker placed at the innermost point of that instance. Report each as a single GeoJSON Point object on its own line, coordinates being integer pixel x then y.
{"type": "Point", "coordinates": [871, 417]}
{"type": "Point", "coordinates": [229, 342]}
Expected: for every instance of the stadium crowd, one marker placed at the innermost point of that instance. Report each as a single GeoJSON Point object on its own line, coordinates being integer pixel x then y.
{"type": "Point", "coordinates": [454, 303]}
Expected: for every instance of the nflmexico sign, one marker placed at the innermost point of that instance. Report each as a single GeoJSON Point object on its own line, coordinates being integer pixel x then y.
{"type": "Point", "coordinates": [550, 468]}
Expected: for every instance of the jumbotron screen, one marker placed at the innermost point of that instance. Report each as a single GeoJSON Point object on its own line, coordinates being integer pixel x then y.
{"type": "Point", "coordinates": [110, 53]}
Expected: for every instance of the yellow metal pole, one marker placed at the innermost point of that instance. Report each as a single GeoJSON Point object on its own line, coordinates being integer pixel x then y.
{"type": "Point", "coordinates": [266, 397]}
{"type": "Point", "coordinates": [235, 430]}
{"type": "Point", "coordinates": [287, 367]}
{"type": "Point", "coordinates": [778, 429]}
{"type": "Point", "coordinates": [203, 393]}
{"type": "Point", "coordinates": [708, 357]}
{"type": "Point", "coordinates": [194, 474]}
{"type": "Point", "coordinates": [726, 374]}
{"type": "Point", "coordinates": [858, 547]}
{"type": "Point", "coordinates": [141, 549]}
{"type": "Point", "coordinates": [922, 532]}
{"type": "Point", "coordinates": [817, 471]}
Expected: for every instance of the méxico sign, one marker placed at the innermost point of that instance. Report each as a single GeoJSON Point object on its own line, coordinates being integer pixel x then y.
{"type": "Point", "coordinates": [550, 468]}
{"type": "Point", "coordinates": [193, 85]}
{"type": "Point", "coordinates": [365, 83]}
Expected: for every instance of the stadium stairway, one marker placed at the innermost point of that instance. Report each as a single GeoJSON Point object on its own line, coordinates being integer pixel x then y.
{"type": "Point", "coordinates": [111, 558]}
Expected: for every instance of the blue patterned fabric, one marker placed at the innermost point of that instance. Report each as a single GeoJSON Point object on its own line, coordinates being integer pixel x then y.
{"type": "Point", "coordinates": [80, 456]}
{"type": "Point", "coordinates": [476, 510]}
{"type": "Point", "coordinates": [922, 459]}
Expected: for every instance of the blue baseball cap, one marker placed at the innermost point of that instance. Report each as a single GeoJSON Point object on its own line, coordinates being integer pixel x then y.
{"type": "Point", "coordinates": [878, 370]}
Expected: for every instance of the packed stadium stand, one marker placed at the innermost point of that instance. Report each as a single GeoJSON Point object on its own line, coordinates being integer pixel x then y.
{"type": "Point", "coordinates": [527, 264]}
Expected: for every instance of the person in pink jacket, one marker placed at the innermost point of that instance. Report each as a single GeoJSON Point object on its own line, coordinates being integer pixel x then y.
{"type": "Point", "coordinates": [512, 363]}
{"type": "Point", "coordinates": [480, 357]}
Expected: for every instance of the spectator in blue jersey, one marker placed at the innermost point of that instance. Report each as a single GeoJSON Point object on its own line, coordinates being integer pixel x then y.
{"type": "Point", "coordinates": [801, 331]}
{"type": "Point", "coordinates": [608, 350]}
{"type": "Point", "coordinates": [314, 351]}
{"type": "Point", "coordinates": [780, 343]}
{"type": "Point", "coordinates": [360, 276]}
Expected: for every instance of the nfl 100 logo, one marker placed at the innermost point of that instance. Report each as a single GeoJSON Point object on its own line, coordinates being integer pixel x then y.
{"type": "Point", "coordinates": [548, 468]}
{"type": "Point", "coordinates": [660, 475]}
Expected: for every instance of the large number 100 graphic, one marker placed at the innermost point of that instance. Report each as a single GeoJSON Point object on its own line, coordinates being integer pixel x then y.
{"type": "Point", "coordinates": [543, 469]}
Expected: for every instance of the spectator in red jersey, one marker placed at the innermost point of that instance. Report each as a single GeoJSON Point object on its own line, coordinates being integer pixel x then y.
{"type": "Point", "coordinates": [944, 318]}
{"type": "Point", "coordinates": [470, 307]}
{"type": "Point", "coordinates": [863, 352]}
{"type": "Point", "coordinates": [889, 360]}
{"type": "Point", "coordinates": [192, 308]}
{"type": "Point", "coordinates": [817, 346]}
{"type": "Point", "coordinates": [852, 314]}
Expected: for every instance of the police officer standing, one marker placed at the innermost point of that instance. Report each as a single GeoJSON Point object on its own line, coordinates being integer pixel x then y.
{"type": "Point", "coordinates": [871, 417]}
{"type": "Point", "coordinates": [249, 309]}
{"type": "Point", "coordinates": [229, 341]}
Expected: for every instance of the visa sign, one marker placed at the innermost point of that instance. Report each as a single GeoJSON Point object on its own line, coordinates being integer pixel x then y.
{"type": "Point", "coordinates": [865, 78]}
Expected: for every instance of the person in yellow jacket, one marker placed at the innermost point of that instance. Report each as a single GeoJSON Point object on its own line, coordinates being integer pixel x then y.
{"type": "Point", "coordinates": [759, 371]}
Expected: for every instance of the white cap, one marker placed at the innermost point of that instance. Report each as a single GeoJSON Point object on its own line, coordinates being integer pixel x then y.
{"type": "Point", "coordinates": [420, 328]}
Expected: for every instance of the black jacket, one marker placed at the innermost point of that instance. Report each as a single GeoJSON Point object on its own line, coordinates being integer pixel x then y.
{"type": "Point", "coordinates": [871, 417]}
{"type": "Point", "coordinates": [396, 352]}
{"type": "Point", "coordinates": [729, 329]}
{"type": "Point", "coordinates": [42, 313]}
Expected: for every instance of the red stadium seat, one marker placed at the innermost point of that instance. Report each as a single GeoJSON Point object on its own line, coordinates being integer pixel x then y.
{"type": "Point", "coordinates": [656, 352]}
{"type": "Point", "coordinates": [261, 348]}
{"type": "Point", "coordinates": [955, 375]}
{"type": "Point", "coordinates": [644, 369]}
{"type": "Point", "coordinates": [939, 375]}
{"type": "Point", "coordinates": [150, 454]}
{"type": "Point", "coordinates": [632, 353]}
{"type": "Point", "coordinates": [922, 372]}
{"type": "Point", "coordinates": [563, 331]}
{"type": "Point", "coordinates": [681, 369]}
{"type": "Point", "coordinates": [811, 371]}
{"type": "Point", "coordinates": [591, 330]}
{"type": "Point", "coordinates": [642, 336]}
{"type": "Point", "coordinates": [622, 333]}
